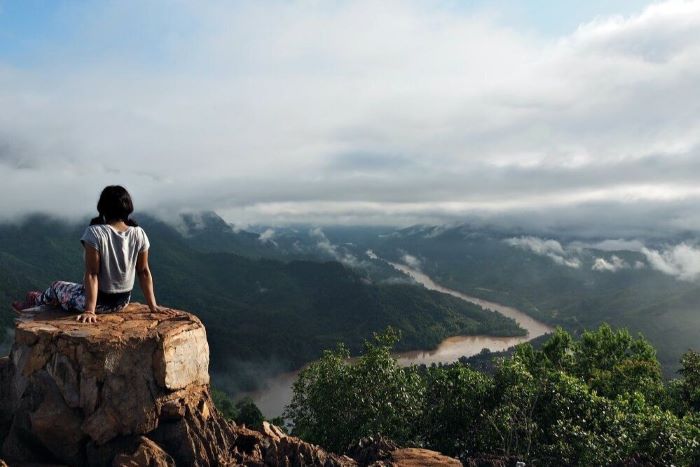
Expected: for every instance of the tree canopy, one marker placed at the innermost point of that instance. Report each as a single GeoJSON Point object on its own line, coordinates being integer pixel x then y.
{"type": "Point", "coordinates": [595, 400]}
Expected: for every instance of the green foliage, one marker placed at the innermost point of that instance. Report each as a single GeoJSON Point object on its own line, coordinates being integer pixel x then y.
{"type": "Point", "coordinates": [457, 400]}
{"type": "Point", "coordinates": [510, 423]}
{"type": "Point", "coordinates": [243, 411]}
{"type": "Point", "coordinates": [598, 400]}
{"type": "Point", "coordinates": [610, 362]}
{"type": "Point", "coordinates": [684, 395]}
{"type": "Point", "coordinates": [690, 382]}
{"type": "Point", "coordinates": [613, 363]}
{"type": "Point", "coordinates": [247, 413]}
{"type": "Point", "coordinates": [224, 404]}
{"type": "Point", "coordinates": [478, 262]}
{"type": "Point", "coordinates": [336, 400]}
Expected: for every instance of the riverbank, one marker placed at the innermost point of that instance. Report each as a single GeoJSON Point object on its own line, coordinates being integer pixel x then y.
{"type": "Point", "coordinates": [278, 390]}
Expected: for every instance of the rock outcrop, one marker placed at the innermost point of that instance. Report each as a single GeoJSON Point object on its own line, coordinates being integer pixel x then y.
{"type": "Point", "coordinates": [381, 452]}
{"type": "Point", "coordinates": [133, 390]}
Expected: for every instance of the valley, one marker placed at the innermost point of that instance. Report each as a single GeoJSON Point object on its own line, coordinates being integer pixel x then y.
{"type": "Point", "coordinates": [277, 391]}
{"type": "Point", "coordinates": [273, 302]}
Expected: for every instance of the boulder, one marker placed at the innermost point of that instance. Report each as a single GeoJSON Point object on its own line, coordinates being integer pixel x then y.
{"type": "Point", "coordinates": [145, 453]}
{"type": "Point", "coordinates": [414, 457]}
{"type": "Point", "coordinates": [70, 389]}
{"type": "Point", "coordinates": [382, 452]}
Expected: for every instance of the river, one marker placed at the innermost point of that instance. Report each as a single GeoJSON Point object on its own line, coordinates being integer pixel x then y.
{"type": "Point", "coordinates": [278, 390]}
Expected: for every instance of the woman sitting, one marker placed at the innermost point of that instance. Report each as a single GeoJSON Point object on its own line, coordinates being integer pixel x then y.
{"type": "Point", "coordinates": [116, 250]}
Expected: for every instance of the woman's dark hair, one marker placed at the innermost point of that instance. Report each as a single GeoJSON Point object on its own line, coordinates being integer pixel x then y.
{"type": "Point", "coordinates": [114, 205]}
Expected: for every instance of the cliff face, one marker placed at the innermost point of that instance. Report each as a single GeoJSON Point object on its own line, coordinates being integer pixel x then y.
{"type": "Point", "coordinates": [131, 390]}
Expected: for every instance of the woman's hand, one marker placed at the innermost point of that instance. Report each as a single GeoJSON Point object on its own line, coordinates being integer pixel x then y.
{"type": "Point", "coordinates": [87, 317]}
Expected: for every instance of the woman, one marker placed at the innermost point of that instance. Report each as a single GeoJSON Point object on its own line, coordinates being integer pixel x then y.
{"type": "Point", "coordinates": [116, 250]}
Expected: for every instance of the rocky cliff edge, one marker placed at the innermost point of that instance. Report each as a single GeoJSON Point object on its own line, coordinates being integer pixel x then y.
{"type": "Point", "coordinates": [134, 390]}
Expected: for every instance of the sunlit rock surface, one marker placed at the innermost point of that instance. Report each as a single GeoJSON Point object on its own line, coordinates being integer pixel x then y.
{"type": "Point", "coordinates": [381, 452]}
{"type": "Point", "coordinates": [78, 393]}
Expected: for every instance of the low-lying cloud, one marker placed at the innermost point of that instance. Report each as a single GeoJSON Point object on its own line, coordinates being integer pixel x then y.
{"type": "Point", "coordinates": [613, 264]}
{"type": "Point", "coordinates": [681, 261]}
{"type": "Point", "coordinates": [411, 261]}
{"type": "Point", "coordinates": [334, 251]}
{"type": "Point", "coordinates": [268, 236]}
{"type": "Point", "coordinates": [549, 248]}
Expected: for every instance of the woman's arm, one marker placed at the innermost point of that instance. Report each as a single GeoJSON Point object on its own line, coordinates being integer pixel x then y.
{"type": "Point", "coordinates": [90, 281]}
{"type": "Point", "coordinates": [146, 280]}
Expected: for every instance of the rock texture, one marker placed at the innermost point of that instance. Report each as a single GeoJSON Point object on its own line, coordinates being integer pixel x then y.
{"type": "Point", "coordinates": [381, 452]}
{"type": "Point", "coordinates": [72, 391]}
{"type": "Point", "coordinates": [413, 457]}
{"type": "Point", "coordinates": [134, 390]}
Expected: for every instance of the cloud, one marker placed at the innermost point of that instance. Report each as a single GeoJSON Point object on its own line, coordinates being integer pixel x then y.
{"type": "Point", "coordinates": [336, 252]}
{"type": "Point", "coordinates": [267, 236]}
{"type": "Point", "coordinates": [549, 248]}
{"type": "Point", "coordinates": [615, 263]}
{"type": "Point", "coordinates": [282, 112]}
{"type": "Point", "coordinates": [618, 244]}
{"type": "Point", "coordinates": [324, 244]}
{"type": "Point", "coordinates": [410, 260]}
{"type": "Point", "coordinates": [681, 261]}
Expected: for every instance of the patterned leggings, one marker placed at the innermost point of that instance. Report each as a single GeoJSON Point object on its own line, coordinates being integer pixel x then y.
{"type": "Point", "coordinates": [71, 296]}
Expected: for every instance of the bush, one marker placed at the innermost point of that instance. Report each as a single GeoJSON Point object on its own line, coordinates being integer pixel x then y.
{"type": "Point", "coordinates": [596, 401]}
{"type": "Point", "coordinates": [337, 401]}
{"type": "Point", "coordinates": [243, 411]}
{"type": "Point", "coordinates": [456, 401]}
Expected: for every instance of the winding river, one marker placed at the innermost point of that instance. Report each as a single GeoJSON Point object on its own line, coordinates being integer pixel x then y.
{"type": "Point", "coordinates": [278, 390]}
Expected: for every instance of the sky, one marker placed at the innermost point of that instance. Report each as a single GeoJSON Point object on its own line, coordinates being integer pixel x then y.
{"type": "Point", "coordinates": [555, 114]}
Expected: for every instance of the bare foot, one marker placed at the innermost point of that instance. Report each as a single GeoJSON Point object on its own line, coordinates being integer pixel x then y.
{"type": "Point", "coordinates": [30, 301]}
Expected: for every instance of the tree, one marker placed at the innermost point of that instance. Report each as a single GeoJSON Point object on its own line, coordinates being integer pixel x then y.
{"type": "Point", "coordinates": [614, 363]}
{"type": "Point", "coordinates": [690, 380]}
{"type": "Point", "coordinates": [247, 413]}
{"type": "Point", "coordinates": [511, 425]}
{"type": "Point", "coordinates": [223, 403]}
{"type": "Point", "coordinates": [456, 401]}
{"type": "Point", "coordinates": [243, 411]}
{"type": "Point", "coordinates": [598, 400]}
{"type": "Point", "coordinates": [338, 400]}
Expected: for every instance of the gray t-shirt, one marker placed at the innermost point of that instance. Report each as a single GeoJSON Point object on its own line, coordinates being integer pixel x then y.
{"type": "Point", "coordinates": [118, 254]}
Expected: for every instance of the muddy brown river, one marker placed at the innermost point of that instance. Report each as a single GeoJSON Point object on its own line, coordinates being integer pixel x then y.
{"type": "Point", "coordinates": [278, 390]}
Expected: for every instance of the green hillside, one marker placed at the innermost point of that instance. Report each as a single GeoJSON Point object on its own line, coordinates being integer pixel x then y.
{"type": "Point", "coordinates": [258, 312]}
{"type": "Point", "coordinates": [482, 264]}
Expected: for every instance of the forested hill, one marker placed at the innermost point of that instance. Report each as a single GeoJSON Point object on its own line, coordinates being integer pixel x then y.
{"type": "Point", "coordinates": [577, 296]}
{"type": "Point", "coordinates": [255, 310]}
